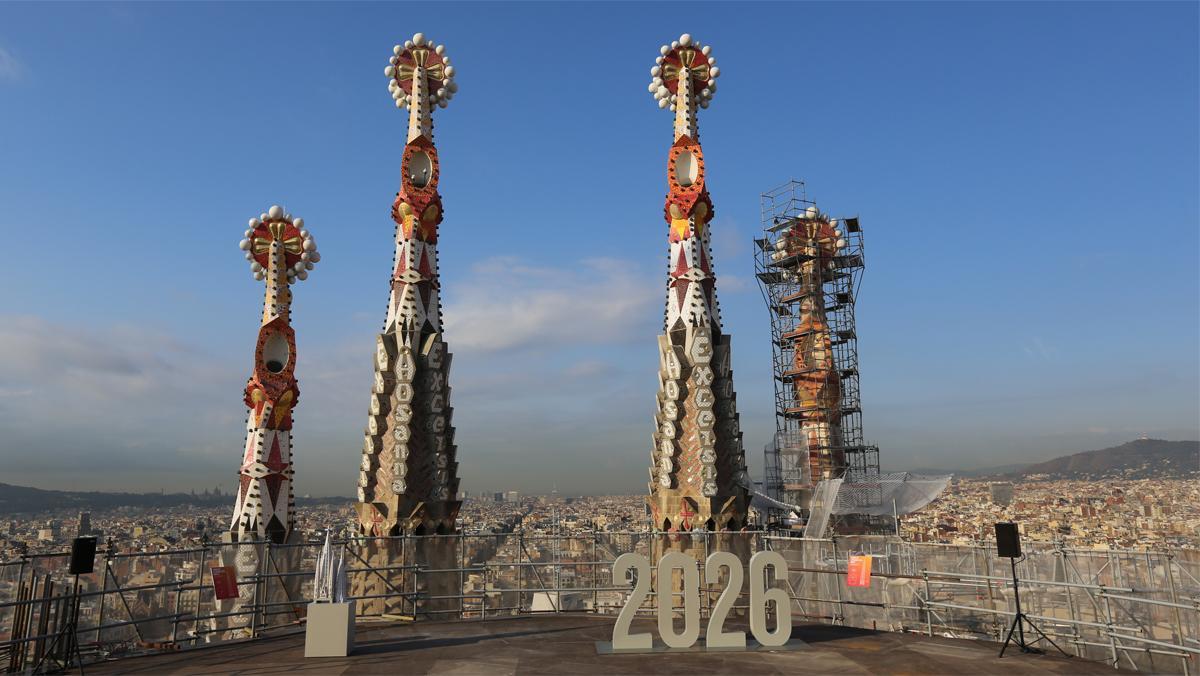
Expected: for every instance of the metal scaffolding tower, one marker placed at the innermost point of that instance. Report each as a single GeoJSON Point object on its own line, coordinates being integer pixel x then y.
{"type": "Point", "coordinates": [808, 267]}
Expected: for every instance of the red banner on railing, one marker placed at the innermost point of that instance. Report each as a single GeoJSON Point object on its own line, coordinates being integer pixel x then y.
{"type": "Point", "coordinates": [858, 572]}
{"type": "Point", "coordinates": [224, 579]}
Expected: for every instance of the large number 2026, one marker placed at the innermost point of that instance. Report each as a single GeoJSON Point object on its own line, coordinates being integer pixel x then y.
{"type": "Point", "coordinates": [716, 637]}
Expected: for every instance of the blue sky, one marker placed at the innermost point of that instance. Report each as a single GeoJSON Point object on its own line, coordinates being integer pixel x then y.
{"type": "Point", "coordinates": [1026, 175]}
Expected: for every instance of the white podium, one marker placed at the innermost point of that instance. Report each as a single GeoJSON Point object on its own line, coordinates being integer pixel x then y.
{"type": "Point", "coordinates": [330, 630]}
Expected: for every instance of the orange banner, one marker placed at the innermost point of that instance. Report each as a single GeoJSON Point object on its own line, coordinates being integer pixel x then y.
{"type": "Point", "coordinates": [858, 572]}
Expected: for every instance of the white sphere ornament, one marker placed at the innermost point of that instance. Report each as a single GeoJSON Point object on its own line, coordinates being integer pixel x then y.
{"type": "Point", "coordinates": [712, 60]}
{"type": "Point", "coordinates": [441, 93]}
{"type": "Point", "coordinates": [658, 60]}
{"type": "Point", "coordinates": [303, 275]}
{"type": "Point", "coordinates": [418, 39]}
{"type": "Point", "coordinates": [397, 49]}
{"type": "Point", "coordinates": [259, 276]}
{"type": "Point", "coordinates": [706, 92]}
{"type": "Point", "coordinates": [394, 60]}
{"type": "Point", "coordinates": [441, 49]}
{"type": "Point", "coordinates": [262, 216]}
{"type": "Point", "coordinates": [662, 103]}
{"type": "Point", "coordinates": [714, 72]}
{"type": "Point", "coordinates": [244, 245]}
{"type": "Point", "coordinates": [442, 103]}
{"type": "Point", "coordinates": [309, 245]}
{"type": "Point", "coordinates": [672, 107]}
{"type": "Point", "coordinates": [399, 103]}
{"type": "Point", "coordinates": [652, 88]}
{"type": "Point", "coordinates": [408, 44]}
{"type": "Point", "coordinates": [276, 212]}
{"type": "Point", "coordinates": [841, 244]}
{"type": "Point", "coordinates": [306, 256]}
{"type": "Point", "coordinates": [706, 50]}
{"type": "Point", "coordinates": [308, 265]}
{"type": "Point", "coordinates": [664, 50]}
{"type": "Point", "coordinates": [255, 267]}
{"type": "Point", "coordinates": [452, 86]}
{"type": "Point", "coordinates": [655, 71]}
{"type": "Point", "coordinates": [254, 222]}
{"type": "Point", "coordinates": [685, 39]}
{"type": "Point", "coordinates": [299, 223]}
{"type": "Point", "coordinates": [316, 257]}
{"type": "Point", "coordinates": [704, 104]}
{"type": "Point", "coordinates": [674, 44]}
{"type": "Point", "coordinates": [449, 71]}
{"type": "Point", "coordinates": [389, 71]}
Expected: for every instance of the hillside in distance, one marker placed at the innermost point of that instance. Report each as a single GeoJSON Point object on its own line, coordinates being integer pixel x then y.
{"type": "Point", "coordinates": [17, 499]}
{"type": "Point", "coordinates": [1140, 459]}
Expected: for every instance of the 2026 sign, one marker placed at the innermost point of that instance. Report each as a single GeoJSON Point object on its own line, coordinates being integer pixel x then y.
{"type": "Point", "coordinates": [716, 636]}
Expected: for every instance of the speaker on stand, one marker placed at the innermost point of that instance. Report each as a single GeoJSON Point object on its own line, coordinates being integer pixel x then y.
{"type": "Point", "coordinates": [66, 643]}
{"type": "Point", "coordinates": [1008, 546]}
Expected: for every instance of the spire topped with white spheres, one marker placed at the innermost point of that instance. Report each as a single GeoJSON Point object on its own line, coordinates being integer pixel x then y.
{"type": "Point", "coordinates": [299, 247]}
{"type": "Point", "coordinates": [420, 78]}
{"type": "Point", "coordinates": [684, 78]}
{"type": "Point", "coordinates": [408, 479]}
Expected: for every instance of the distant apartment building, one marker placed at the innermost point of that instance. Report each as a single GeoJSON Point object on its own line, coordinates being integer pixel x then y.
{"type": "Point", "coordinates": [1001, 492]}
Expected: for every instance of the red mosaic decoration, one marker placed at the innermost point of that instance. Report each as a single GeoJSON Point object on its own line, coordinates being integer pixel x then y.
{"type": "Point", "coordinates": [420, 56]}
{"type": "Point", "coordinates": [422, 202]}
{"type": "Point", "coordinates": [685, 60]}
{"type": "Point", "coordinates": [269, 231]}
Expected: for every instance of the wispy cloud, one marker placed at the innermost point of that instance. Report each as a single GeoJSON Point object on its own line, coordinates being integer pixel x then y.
{"type": "Point", "coordinates": [12, 69]}
{"type": "Point", "coordinates": [506, 305]}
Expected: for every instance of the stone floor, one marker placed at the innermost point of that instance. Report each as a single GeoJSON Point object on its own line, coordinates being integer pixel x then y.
{"type": "Point", "coordinates": [566, 644]}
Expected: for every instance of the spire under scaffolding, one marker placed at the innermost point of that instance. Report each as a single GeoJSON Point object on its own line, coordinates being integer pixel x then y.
{"type": "Point", "coordinates": [808, 267]}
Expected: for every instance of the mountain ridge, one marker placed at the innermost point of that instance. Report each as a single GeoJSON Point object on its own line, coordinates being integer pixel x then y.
{"type": "Point", "coordinates": [1137, 459]}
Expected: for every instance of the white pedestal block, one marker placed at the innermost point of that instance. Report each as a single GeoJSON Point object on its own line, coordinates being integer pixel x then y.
{"type": "Point", "coordinates": [330, 630]}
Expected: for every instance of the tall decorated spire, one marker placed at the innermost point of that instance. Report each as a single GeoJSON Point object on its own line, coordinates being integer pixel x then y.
{"type": "Point", "coordinates": [408, 481]}
{"type": "Point", "coordinates": [698, 473]}
{"type": "Point", "coordinates": [281, 251]}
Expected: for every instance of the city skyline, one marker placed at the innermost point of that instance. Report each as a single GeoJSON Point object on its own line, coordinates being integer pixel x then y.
{"type": "Point", "coordinates": [1030, 286]}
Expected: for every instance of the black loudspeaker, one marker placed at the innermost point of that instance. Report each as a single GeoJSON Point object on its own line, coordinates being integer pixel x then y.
{"type": "Point", "coordinates": [1008, 540]}
{"type": "Point", "coordinates": [83, 556]}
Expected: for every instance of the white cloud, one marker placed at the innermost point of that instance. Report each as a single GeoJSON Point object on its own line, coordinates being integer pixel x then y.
{"type": "Point", "coordinates": [11, 68]}
{"type": "Point", "coordinates": [505, 305]}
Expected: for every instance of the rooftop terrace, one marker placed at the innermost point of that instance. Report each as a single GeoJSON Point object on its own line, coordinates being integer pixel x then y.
{"type": "Point", "coordinates": [566, 644]}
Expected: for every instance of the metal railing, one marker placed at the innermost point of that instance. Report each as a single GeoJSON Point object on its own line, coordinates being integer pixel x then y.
{"type": "Point", "coordinates": [1133, 609]}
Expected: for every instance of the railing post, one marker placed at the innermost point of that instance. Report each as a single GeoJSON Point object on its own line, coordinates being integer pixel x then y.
{"type": "Point", "coordinates": [462, 575]}
{"type": "Point", "coordinates": [199, 593]}
{"type": "Point", "coordinates": [1168, 559]}
{"type": "Point", "coordinates": [925, 603]}
{"type": "Point", "coordinates": [1108, 626]}
{"type": "Point", "coordinates": [595, 577]}
{"type": "Point", "coordinates": [839, 617]}
{"type": "Point", "coordinates": [175, 620]}
{"type": "Point", "coordinates": [520, 572]}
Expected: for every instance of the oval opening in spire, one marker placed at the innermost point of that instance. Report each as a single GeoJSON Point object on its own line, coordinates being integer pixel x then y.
{"type": "Point", "coordinates": [687, 168]}
{"type": "Point", "coordinates": [420, 169]}
{"type": "Point", "coordinates": [276, 353]}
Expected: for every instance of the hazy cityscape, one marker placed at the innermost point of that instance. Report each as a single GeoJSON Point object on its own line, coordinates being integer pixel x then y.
{"type": "Point", "coordinates": [1129, 514]}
